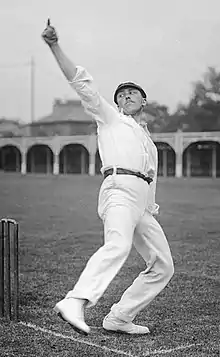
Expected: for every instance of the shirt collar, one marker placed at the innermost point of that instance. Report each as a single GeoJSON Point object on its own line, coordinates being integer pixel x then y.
{"type": "Point", "coordinates": [145, 128]}
{"type": "Point", "coordinates": [132, 122]}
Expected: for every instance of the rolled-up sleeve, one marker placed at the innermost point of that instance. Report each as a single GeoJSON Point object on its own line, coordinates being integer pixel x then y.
{"type": "Point", "coordinates": [93, 103]}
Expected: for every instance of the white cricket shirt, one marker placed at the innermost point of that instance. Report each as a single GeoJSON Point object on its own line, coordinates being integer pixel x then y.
{"type": "Point", "coordinates": [121, 141]}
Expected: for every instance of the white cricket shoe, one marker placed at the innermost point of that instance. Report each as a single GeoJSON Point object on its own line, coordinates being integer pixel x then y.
{"type": "Point", "coordinates": [71, 311]}
{"type": "Point", "coordinates": [113, 324]}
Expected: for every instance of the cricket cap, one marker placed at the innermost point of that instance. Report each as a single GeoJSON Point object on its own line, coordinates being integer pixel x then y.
{"type": "Point", "coordinates": [129, 85]}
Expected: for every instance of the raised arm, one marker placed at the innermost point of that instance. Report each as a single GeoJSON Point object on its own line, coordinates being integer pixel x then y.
{"type": "Point", "coordinates": [81, 81]}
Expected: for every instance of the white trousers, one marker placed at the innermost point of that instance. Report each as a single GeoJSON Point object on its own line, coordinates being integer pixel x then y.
{"type": "Point", "coordinates": [122, 207]}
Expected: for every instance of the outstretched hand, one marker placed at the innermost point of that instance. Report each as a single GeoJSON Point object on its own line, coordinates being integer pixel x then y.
{"type": "Point", "coordinates": [49, 35]}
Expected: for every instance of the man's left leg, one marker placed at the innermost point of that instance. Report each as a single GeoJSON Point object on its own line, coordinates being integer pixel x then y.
{"type": "Point", "coordinates": [151, 243]}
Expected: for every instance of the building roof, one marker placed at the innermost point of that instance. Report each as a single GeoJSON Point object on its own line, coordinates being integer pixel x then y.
{"type": "Point", "coordinates": [70, 110]}
{"type": "Point", "coordinates": [9, 120]}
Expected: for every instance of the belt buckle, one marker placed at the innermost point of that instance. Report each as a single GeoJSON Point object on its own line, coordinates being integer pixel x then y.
{"type": "Point", "coordinates": [145, 178]}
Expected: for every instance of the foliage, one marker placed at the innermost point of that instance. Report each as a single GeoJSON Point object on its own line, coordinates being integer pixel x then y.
{"type": "Point", "coordinates": [202, 113]}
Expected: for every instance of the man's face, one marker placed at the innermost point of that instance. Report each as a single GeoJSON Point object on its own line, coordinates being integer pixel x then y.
{"type": "Point", "coordinates": [130, 100]}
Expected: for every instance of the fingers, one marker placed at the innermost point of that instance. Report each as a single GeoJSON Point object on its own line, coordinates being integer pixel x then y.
{"type": "Point", "coordinates": [49, 34]}
{"type": "Point", "coordinates": [49, 30]}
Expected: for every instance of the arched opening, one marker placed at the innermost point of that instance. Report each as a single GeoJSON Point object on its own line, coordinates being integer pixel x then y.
{"type": "Point", "coordinates": [166, 159]}
{"type": "Point", "coordinates": [202, 159]}
{"type": "Point", "coordinates": [10, 158]}
{"type": "Point", "coordinates": [40, 159]}
{"type": "Point", "coordinates": [74, 159]}
{"type": "Point", "coordinates": [98, 163]}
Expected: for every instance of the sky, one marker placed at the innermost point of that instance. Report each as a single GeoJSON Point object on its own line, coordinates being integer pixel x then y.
{"type": "Point", "coordinates": [163, 45]}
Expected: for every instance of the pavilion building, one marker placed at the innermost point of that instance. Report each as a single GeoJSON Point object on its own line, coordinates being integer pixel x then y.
{"type": "Point", "coordinates": [65, 142]}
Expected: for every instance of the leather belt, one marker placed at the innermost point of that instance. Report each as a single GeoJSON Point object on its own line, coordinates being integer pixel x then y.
{"type": "Point", "coordinates": [120, 171]}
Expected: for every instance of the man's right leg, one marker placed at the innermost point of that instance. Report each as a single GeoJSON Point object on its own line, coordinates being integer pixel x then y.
{"type": "Point", "coordinates": [119, 225]}
{"type": "Point", "coordinates": [150, 241]}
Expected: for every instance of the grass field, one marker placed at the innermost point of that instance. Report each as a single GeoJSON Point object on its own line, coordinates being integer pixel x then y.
{"type": "Point", "coordinates": [59, 231]}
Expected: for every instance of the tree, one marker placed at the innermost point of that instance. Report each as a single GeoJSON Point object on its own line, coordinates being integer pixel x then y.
{"type": "Point", "coordinates": [203, 110]}
{"type": "Point", "coordinates": [156, 116]}
{"type": "Point", "coordinates": [205, 102]}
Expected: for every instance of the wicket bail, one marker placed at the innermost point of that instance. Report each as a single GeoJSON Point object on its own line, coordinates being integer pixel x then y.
{"type": "Point", "coordinates": [9, 275]}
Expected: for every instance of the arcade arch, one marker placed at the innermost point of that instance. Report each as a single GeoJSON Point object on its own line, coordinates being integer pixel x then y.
{"type": "Point", "coordinates": [74, 159]}
{"type": "Point", "coordinates": [40, 159]}
{"type": "Point", "coordinates": [10, 158]}
{"type": "Point", "coordinates": [202, 159]}
{"type": "Point", "coordinates": [166, 159]}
